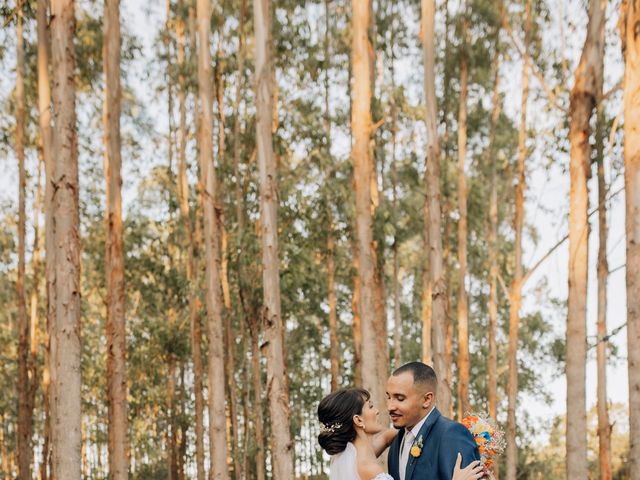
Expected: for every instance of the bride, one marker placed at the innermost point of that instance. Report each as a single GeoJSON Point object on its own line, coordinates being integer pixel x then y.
{"type": "Point", "coordinates": [351, 434]}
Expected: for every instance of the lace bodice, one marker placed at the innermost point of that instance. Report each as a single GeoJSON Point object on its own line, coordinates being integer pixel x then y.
{"type": "Point", "coordinates": [344, 466]}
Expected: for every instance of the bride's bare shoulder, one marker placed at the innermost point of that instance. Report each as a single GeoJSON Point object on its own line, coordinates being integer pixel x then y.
{"type": "Point", "coordinates": [369, 469]}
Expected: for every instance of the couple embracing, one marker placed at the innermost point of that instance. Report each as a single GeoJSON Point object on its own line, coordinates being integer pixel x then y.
{"type": "Point", "coordinates": [424, 445]}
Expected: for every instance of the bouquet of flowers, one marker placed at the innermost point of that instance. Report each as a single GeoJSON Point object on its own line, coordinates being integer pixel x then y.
{"type": "Point", "coordinates": [488, 436]}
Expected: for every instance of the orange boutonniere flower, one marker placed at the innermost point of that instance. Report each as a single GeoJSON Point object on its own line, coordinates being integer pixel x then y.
{"type": "Point", "coordinates": [416, 448]}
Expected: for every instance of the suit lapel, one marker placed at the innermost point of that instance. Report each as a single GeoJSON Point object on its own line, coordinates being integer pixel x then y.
{"type": "Point", "coordinates": [424, 433]}
{"type": "Point", "coordinates": [394, 456]}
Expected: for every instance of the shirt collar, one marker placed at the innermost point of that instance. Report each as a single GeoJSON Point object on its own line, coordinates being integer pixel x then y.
{"type": "Point", "coordinates": [418, 426]}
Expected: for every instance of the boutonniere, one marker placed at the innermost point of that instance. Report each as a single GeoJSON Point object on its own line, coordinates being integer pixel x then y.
{"type": "Point", "coordinates": [416, 448]}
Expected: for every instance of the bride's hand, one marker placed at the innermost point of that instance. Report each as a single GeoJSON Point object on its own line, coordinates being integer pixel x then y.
{"type": "Point", "coordinates": [470, 472]}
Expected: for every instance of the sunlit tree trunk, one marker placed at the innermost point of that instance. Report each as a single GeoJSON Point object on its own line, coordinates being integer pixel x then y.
{"type": "Point", "coordinates": [277, 389]}
{"type": "Point", "coordinates": [44, 121]}
{"type": "Point", "coordinates": [230, 361]}
{"type": "Point", "coordinates": [24, 413]}
{"type": "Point", "coordinates": [584, 94]}
{"type": "Point", "coordinates": [217, 430]}
{"type": "Point", "coordinates": [516, 283]}
{"type": "Point", "coordinates": [330, 246]}
{"type": "Point", "coordinates": [65, 360]}
{"type": "Point", "coordinates": [114, 258]}
{"type": "Point", "coordinates": [604, 426]}
{"type": "Point", "coordinates": [396, 287]}
{"type": "Point", "coordinates": [492, 363]}
{"type": "Point", "coordinates": [191, 245]}
{"type": "Point", "coordinates": [34, 324]}
{"type": "Point", "coordinates": [432, 209]}
{"type": "Point", "coordinates": [363, 171]}
{"type": "Point", "coordinates": [356, 327]}
{"type": "Point", "coordinates": [630, 15]}
{"type": "Point", "coordinates": [463, 309]}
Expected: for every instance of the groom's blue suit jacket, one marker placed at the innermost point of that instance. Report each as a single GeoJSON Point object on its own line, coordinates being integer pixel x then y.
{"type": "Point", "coordinates": [442, 439]}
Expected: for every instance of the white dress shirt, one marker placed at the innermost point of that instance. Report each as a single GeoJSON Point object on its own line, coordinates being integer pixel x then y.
{"type": "Point", "coordinates": [407, 441]}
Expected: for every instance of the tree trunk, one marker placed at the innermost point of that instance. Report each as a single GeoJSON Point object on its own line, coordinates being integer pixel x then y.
{"type": "Point", "coordinates": [277, 391]}
{"type": "Point", "coordinates": [631, 45]}
{"type": "Point", "coordinates": [44, 120]}
{"type": "Point", "coordinates": [191, 241]}
{"type": "Point", "coordinates": [515, 299]}
{"type": "Point", "coordinates": [34, 323]}
{"type": "Point", "coordinates": [65, 359]}
{"type": "Point", "coordinates": [114, 256]}
{"type": "Point", "coordinates": [463, 309]}
{"type": "Point", "coordinates": [170, 433]}
{"type": "Point", "coordinates": [357, 321]}
{"type": "Point", "coordinates": [492, 364]}
{"type": "Point", "coordinates": [257, 398]}
{"type": "Point", "coordinates": [588, 81]}
{"type": "Point", "coordinates": [24, 415]}
{"type": "Point", "coordinates": [604, 426]}
{"type": "Point", "coordinates": [331, 265]}
{"type": "Point", "coordinates": [230, 362]}
{"type": "Point", "coordinates": [493, 248]}
{"type": "Point", "coordinates": [372, 379]}
{"type": "Point", "coordinates": [432, 209]}
{"type": "Point", "coordinates": [217, 432]}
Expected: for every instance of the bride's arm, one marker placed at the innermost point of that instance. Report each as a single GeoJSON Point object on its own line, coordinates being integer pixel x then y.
{"type": "Point", "coordinates": [382, 441]}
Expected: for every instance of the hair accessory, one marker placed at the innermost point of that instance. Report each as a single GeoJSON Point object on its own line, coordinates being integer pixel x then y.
{"type": "Point", "coordinates": [326, 428]}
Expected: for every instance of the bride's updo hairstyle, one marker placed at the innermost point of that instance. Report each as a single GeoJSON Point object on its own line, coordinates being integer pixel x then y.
{"type": "Point", "coordinates": [335, 413]}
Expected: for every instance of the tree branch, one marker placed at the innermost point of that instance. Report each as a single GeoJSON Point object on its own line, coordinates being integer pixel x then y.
{"type": "Point", "coordinates": [536, 71]}
{"type": "Point", "coordinates": [560, 242]}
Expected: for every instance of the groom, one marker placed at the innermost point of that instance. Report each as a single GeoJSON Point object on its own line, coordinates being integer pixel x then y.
{"type": "Point", "coordinates": [428, 443]}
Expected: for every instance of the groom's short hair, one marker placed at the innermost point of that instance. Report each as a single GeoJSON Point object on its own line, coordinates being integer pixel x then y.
{"type": "Point", "coordinates": [422, 373]}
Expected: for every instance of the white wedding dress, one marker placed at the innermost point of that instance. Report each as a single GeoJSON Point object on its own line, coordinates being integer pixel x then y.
{"type": "Point", "coordinates": [344, 466]}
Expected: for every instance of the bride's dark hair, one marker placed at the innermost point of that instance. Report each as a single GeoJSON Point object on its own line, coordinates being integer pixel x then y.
{"type": "Point", "coordinates": [335, 413]}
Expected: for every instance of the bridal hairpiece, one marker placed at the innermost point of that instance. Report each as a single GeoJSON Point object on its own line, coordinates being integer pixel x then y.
{"type": "Point", "coordinates": [326, 428]}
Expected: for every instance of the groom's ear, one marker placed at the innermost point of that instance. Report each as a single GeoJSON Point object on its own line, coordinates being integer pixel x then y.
{"type": "Point", "coordinates": [427, 400]}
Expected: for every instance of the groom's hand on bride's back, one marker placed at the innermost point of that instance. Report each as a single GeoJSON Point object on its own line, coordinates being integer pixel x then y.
{"type": "Point", "coordinates": [462, 443]}
{"type": "Point", "coordinates": [471, 472]}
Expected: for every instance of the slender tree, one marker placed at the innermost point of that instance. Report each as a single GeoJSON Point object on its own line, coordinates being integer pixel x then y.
{"type": "Point", "coordinates": [604, 426]}
{"type": "Point", "coordinates": [515, 299]}
{"type": "Point", "coordinates": [217, 430]}
{"type": "Point", "coordinates": [191, 241]}
{"type": "Point", "coordinates": [44, 120]}
{"type": "Point", "coordinates": [65, 360]}
{"type": "Point", "coordinates": [432, 220]}
{"type": "Point", "coordinates": [493, 246]}
{"type": "Point", "coordinates": [492, 366]}
{"type": "Point", "coordinates": [463, 308]}
{"type": "Point", "coordinates": [114, 257]}
{"type": "Point", "coordinates": [363, 172]}
{"type": "Point", "coordinates": [277, 390]}
{"type": "Point", "coordinates": [584, 95]}
{"type": "Point", "coordinates": [24, 415]}
{"type": "Point", "coordinates": [630, 18]}
{"type": "Point", "coordinates": [331, 241]}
